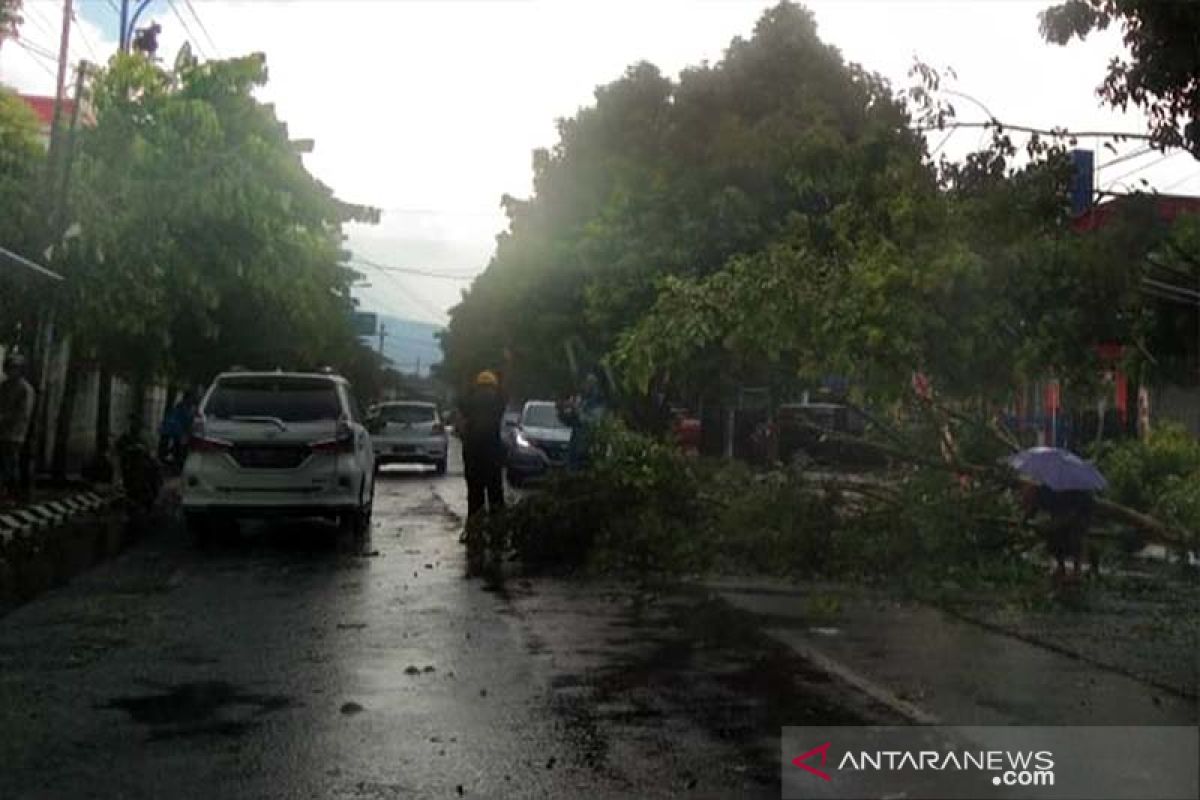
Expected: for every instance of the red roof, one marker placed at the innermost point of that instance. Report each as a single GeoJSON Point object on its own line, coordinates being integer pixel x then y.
{"type": "Point", "coordinates": [1167, 207]}
{"type": "Point", "coordinates": [44, 107]}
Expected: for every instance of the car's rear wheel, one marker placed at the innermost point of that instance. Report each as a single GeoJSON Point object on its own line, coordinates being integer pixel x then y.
{"type": "Point", "coordinates": [199, 526]}
{"type": "Point", "coordinates": [440, 467]}
{"type": "Point", "coordinates": [357, 521]}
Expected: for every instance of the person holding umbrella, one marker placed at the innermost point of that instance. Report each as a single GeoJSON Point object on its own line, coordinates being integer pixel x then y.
{"type": "Point", "coordinates": [1064, 490]}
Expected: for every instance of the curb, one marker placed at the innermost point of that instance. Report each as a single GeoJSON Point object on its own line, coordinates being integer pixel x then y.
{"type": "Point", "coordinates": [23, 523]}
{"type": "Point", "coordinates": [838, 671]}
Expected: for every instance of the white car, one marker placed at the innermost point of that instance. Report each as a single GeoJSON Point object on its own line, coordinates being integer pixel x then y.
{"type": "Point", "coordinates": [278, 443]}
{"type": "Point", "coordinates": [408, 432]}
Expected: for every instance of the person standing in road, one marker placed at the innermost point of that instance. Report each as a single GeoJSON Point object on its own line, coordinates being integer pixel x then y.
{"type": "Point", "coordinates": [481, 416]}
{"type": "Point", "coordinates": [16, 411]}
{"type": "Point", "coordinates": [582, 414]}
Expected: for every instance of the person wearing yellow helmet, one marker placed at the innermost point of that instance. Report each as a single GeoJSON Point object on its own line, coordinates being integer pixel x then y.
{"type": "Point", "coordinates": [481, 415]}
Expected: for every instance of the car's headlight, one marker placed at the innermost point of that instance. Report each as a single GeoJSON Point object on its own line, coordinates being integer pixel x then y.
{"type": "Point", "coordinates": [522, 441]}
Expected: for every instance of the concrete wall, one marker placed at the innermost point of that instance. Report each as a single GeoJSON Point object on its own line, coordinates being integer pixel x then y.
{"type": "Point", "coordinates": [1177, 404]}
{"type": "Point", "coordinates": [82, 442]}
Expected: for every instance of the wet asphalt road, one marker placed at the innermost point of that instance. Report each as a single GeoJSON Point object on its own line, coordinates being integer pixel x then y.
{"type": "Point", "coordinates": [287, 662]}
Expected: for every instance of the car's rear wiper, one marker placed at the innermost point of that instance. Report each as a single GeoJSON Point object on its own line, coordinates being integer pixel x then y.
{"type": "Point", "coordinates": [273, 420]}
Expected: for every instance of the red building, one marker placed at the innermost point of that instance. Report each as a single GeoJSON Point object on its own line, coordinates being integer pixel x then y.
{"type": "Point", "coordinates": [1167, 208]}
{"type": "Point", "coordinates": [43, 107]}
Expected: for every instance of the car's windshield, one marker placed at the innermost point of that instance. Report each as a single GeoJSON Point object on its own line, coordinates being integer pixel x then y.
{"type": "Point", "coordinates": [408, 413]}
{"type": "Point", "coordinates": [287, 399]}
{"type": "Point", "coordinates": [541, 415]}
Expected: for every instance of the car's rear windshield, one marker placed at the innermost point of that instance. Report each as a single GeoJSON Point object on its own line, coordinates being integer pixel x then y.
{"type": "Point", "coordinates": [408, 413]}
{"type": "Point", "coordinates": [542, 415]}
{"type": "Point", "coordinates": [287, 399]}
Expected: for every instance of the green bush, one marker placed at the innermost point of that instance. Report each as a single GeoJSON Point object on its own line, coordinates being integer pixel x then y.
{"type": "Point", "coordinates": [1140, 472]}
{"type": "Point", "coordinates": [644, 507]}
{"type": "Point", "coordinates": [934, 529]}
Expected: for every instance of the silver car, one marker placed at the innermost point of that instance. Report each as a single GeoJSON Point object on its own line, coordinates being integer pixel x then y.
{"type": "Point", "coordinates": [408, 432]}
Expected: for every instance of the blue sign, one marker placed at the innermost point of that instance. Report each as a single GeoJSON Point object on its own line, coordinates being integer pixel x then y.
{"type": "Point", "coordinates": [1083, 163]}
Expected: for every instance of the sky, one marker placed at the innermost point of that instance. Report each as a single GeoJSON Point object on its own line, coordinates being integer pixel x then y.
{"type": "Point", "coordinates": [430, 109]}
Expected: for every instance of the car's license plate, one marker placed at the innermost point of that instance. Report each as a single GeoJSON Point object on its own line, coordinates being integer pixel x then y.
{"type": "Point", "coordinates": [267, 457]}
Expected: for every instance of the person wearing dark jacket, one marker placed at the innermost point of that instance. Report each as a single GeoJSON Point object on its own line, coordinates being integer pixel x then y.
{"type": "Point", "coordinates": [1069, 517]}
{"type": "Point", "coordinates": [481, 417]}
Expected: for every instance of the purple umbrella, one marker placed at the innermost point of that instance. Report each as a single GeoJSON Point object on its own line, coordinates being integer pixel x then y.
{"type": "Point", "coordinates": [1058, 469]}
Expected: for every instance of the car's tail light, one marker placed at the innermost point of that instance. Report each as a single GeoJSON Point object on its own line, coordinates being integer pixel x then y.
{"type": "Point", "coordinates": [207, 444]}
{"type": "Point", "coordinates": [199, 442]}
{"type": "Point", "coordinates": [343, 442]}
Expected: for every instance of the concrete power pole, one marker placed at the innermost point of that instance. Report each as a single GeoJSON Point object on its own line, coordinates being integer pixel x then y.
{"type": "Point", "coordinates": [35, 441]}
{"type": "Point", "coordinates": [382, 334]}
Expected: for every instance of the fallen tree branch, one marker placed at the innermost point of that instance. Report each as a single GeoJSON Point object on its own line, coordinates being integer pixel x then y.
{"type": "Point", "coordinates": [1160, 532]}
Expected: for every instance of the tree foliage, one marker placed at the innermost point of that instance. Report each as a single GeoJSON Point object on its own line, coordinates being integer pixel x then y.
{"type": "Point", "coordinates": [775, 217]}
{"type": "Point", "coordinates": [1160, 74]}
{"type": "Point", "coordinates": [204, 240]}
{"type": "Point", "coordinates": [22, 164]}
{"type": "Point", "coordinates": [10, 18]}
{"type": "Point", "coordinates": [665, 179]}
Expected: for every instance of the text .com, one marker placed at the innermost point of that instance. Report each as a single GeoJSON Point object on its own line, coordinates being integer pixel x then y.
{"type": "Point", "coordinates": [1024, 777]}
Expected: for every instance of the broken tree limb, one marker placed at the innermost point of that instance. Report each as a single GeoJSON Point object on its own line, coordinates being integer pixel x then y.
{"type": "Point", "coordinates": [1158, 531]}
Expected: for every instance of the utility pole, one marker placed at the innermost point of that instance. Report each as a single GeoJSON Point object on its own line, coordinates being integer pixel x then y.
{"type": "Point", "coordinates": [66, 407]}
{"type": "Point", "coordinates": [34, 449]}
{"type": "Point", "coordinates": [382, 334]}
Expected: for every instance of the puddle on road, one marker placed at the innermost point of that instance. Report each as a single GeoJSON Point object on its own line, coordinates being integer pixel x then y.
{"type": "Point", "coordinates": [198, 709]}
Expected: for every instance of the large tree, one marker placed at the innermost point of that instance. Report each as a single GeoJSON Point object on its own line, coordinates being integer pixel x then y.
{"type": "Point", "coordinates": [22, 164]}
{"type": "Point", "coordinates": [205, 242]}
{"type": "Point", "coordinates": [200, 239]}
{"type": "Point", "coordinates": [664, 179]}
{"type": "Point", "coordinates": [1161, 71]}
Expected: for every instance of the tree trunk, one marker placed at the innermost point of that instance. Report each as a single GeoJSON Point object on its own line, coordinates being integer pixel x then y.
{"type": "Point", "coordinates": [104, 413]}
{"type": "Point", "coordinates": [66, 411]}
{"type": "Point", "coordinates": [138, 415]}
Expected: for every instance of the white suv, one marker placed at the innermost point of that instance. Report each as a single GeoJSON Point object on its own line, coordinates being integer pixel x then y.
{"type": "Point", "coordinates": [278, 443]}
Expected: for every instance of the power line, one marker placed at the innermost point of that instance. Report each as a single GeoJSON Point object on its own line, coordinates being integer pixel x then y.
{"type": "Point", "coordinates": [1181, 181]}
{"type": "Point", "coordinates": [37, 19]}
{"type": "Point", "coordinates": [407, 292]}
{"type": "Point", "coordinates": [41, 65]}
{"type": "Point", "coordinates": [37, 49]}
{"type": "Point", "coordinates": [1142, 168]}
{"type": "Point", "coordinates": [942, 143]}
{"type": "Point", "coordinates": [203, 27]}
{"type": "Point", "coordinates": [191, 36]}
{"type": "Point", "coordinates": [87, 40]}
{"type": "Point", "coordinates": [418, 272]}
{"type": "Point", "coordinates": [1141, 151]}
{"type": "Point", "coordinates": [47, 27]}
{"type": "Point", "coordinates": [442, 212]}
{"type": "Point", "coordinates": [1060, 133]}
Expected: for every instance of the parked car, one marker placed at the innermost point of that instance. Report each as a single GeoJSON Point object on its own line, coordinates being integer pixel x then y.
{"type": "Point", "coordinates": [508, 430]}
{"type": "Point", "coordinates": [686, 430]}
{"type": "Point", "coordinates": [540, 442]}
{"type": "Point", "coordinates": [409, 432]}
{"type": "Point", "coordinates": [802, 428]}
{"type": "Point", "coordinates": [278, 443]}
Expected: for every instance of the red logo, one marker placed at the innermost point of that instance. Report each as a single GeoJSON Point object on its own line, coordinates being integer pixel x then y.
{"type": "Point", "coordinates": [800, 759]}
